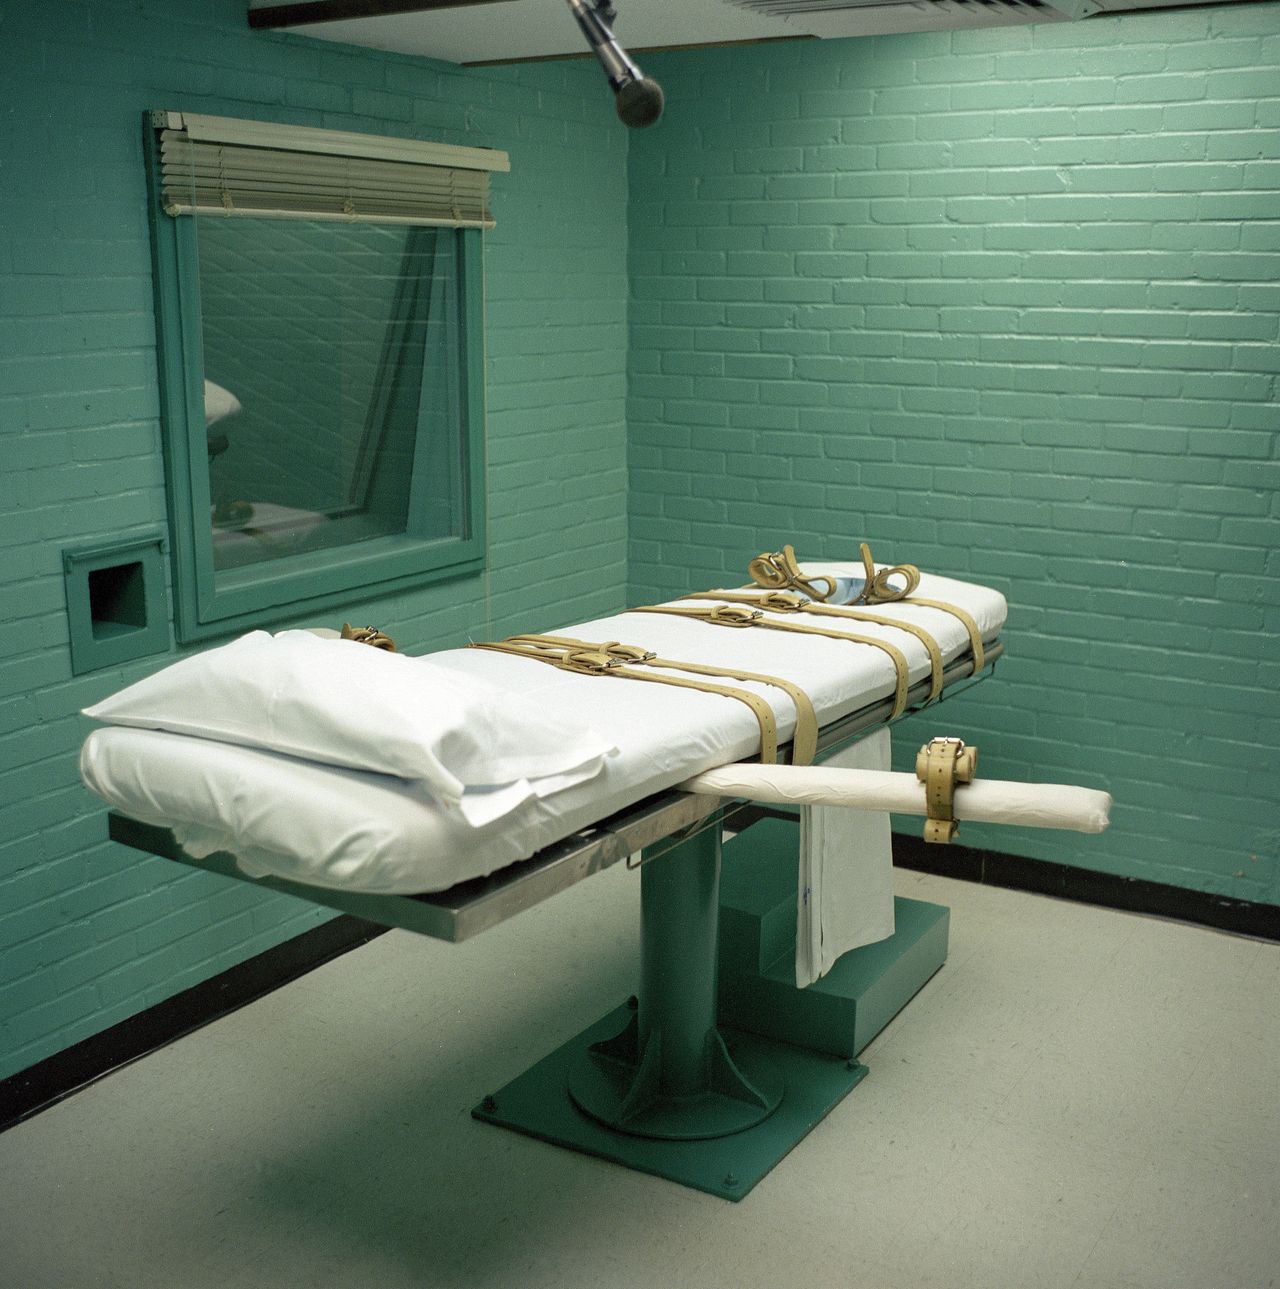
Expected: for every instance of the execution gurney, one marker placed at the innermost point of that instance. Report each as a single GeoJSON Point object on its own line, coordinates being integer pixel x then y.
{"type": "Point", "coordinates": [653, 1085]}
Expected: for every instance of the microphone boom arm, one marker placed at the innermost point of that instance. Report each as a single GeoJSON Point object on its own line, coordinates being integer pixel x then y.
{"type": "Point", "coordinates": [639, 99]}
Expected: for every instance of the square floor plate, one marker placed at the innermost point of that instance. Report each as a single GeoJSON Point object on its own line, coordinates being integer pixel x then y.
{"type": "Point", "coordinates": [537, 1103]}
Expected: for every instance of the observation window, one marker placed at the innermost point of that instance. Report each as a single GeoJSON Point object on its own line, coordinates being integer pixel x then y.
{"type": "Point", "coordinates": [321, 349]}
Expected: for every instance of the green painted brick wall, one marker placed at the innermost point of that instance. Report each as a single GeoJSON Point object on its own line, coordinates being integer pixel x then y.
{"type": "Point", "coordinates": [90, 932]}
{"type": "Point", "coordinates": [1005, 304]}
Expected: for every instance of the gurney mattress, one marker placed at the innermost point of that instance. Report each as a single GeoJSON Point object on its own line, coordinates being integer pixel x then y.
{"type": "Point", "coordinates": [338, 828]}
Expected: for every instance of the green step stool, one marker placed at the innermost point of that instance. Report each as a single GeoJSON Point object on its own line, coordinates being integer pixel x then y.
{"type": "Point", "coordinates": [841, 1013]}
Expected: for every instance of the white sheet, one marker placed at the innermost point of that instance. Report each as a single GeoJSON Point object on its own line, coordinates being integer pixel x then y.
{"type": "Point", "coordinates": [336, 828]}
{"type": "Point", "coordinates": [846, 872]}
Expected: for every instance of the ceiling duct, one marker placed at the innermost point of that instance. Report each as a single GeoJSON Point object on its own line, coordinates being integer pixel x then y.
{"type": "Point", "coordinates": [835, 18]}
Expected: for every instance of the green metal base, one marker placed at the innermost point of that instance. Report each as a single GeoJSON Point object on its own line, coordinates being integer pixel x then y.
{"type": "Point", "coordinates": [538, 1103]}
{"type": "Point", "coordinates": [618, 1082]}
{"type": "Point", "coordinates": [721, 1065]}
{"type": "Point", "coordinates": [866, 988]}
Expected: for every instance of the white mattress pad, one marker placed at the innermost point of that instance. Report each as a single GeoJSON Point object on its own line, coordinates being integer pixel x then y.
{"type": "Point", "coordinates": [345, 829]}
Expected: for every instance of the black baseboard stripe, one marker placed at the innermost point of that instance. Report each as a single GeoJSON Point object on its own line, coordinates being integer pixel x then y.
{"type": "Point", "coordinates": [1085, 886]}
{"type": "Point", "coordinates": [58, 1076]}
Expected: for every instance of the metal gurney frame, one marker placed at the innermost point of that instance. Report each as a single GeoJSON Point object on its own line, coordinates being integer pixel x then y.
{"type": "Point", "coordinates": [667, 1094]}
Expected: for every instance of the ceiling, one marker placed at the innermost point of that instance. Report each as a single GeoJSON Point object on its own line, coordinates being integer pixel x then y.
{"type": "Point", "coordinates": [509, 30]}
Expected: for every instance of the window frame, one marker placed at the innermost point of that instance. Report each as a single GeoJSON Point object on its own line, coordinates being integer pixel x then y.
{"type": "Point", "coordinates": [209, 603]}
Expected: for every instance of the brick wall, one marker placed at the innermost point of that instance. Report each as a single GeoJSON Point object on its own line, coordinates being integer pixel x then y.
{"type": "Point", "coordinates": [89, 932]}
{"type": "Point", "coordinates": [1003, 303]}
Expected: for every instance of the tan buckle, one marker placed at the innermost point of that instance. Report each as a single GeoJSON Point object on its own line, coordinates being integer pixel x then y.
{"type": "Point", "coordinates": [782, 602]}
{"type": "Point", "coordinates": [628, 653]}
{"type": "Point", "coordinates": [940, 765]}
{"type": "Point", "coordinates": [590, 662]}
{"type": "Point", "coordinates": [734, 615]}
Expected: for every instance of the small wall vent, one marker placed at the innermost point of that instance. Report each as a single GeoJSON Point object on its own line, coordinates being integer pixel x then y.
{"type": "Point", "coordinates": [117, 609]}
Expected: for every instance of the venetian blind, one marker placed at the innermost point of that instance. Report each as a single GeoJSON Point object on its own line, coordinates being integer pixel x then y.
{"type": "Point", "coordinates": [221, 165]}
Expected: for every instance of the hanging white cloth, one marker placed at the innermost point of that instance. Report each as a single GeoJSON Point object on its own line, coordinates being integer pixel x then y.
{"type": "Point", "coordinates": [845, 893]}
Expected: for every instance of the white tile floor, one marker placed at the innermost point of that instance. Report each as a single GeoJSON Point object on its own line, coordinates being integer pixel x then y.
{"type": "Point", "coordinates": [1080, 1098]}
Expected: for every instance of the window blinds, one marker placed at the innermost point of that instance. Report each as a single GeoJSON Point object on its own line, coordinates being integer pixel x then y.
{"type": "Point", "coordinates": [220, 165]}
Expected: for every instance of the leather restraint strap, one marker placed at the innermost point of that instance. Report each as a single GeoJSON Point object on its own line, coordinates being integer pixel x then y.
{"type": "Point", "coordinates": [742, 615]}
{"type": "Point", "coordinates": [781, 572]}
{"type": "Point", "coordinates": [611, 659]}
{"type": "Point", "coordinates": [789, 602]}
{"type": "Point", "coordinates": [878, 589]}
{"type": "Point", "coordinates": [940, 765]}
{"type": "Point", "coordinates": [778, 571]}
{"type": "Point", "coordinates": [970, 626]}
{"type": "Point", "coordinates": [804, 741]}
{"type": "Point", "coordinates": [368, 635]}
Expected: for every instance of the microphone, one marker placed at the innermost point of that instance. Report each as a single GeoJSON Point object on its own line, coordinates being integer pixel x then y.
{"type": "Point", "coordinates": [639, 99]}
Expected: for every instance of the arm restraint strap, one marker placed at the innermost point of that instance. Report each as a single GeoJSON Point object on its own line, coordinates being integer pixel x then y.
{"type": "Point", "coordinates": [788, 602]}
{"type": "Point", "coordinates": [610, 659]}
{"type": "Point", "coordinates": [740, 615]}
{"type": "Point", "coordinates": [940, 765]}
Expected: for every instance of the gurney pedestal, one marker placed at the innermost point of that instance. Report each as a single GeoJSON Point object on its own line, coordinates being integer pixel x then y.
{"type": "Point", "coordinates": [669, 1074]}
{"type": "Point", "coordinates": [657, 1086]}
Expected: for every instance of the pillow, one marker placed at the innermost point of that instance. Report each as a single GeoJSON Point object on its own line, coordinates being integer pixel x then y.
{"type": "Point", "coordinates": [343, 703]}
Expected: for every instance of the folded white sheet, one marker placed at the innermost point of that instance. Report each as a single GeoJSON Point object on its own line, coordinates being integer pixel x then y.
{"type": "Point", "coordinates": [845, 895]}
{"type": "Point", "coordinates": [332, 827]}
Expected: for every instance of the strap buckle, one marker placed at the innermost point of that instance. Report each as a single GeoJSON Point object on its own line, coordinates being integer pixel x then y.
{"type": "Point", "coordinates": [782, 602]}
{"type": "Point", "coordinates": [590, 662]}
{"type": "Point", "coordinates": [626, 652]}
{"type": "Point", "coordinates": [940, 765]}
{"type": "Point", "coordinates": [734, 615]}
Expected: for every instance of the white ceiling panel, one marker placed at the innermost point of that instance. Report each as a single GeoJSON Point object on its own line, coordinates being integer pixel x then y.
{"type": "Point", "coordinates": [538, 28]}
{"type": "Point", "coordinates": [516, 29]}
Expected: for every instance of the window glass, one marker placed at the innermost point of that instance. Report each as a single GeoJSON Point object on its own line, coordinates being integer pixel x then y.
{"type": "Point", "coordinates": [332, 402]}
{"type": "Point", "coordinates": [323, 412]}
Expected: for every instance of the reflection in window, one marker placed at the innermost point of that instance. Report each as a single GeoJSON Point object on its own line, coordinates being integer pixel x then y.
{"type": "Point", "coordinates": [332, 394]}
